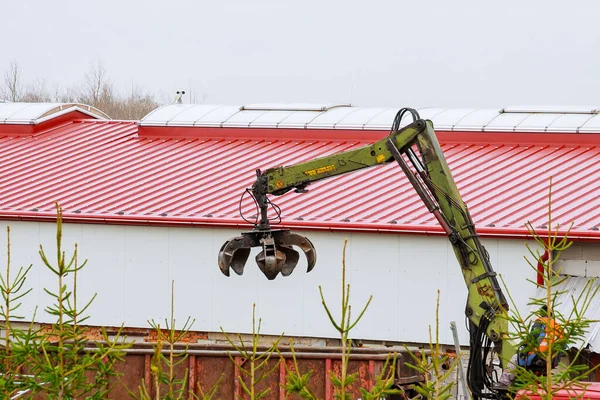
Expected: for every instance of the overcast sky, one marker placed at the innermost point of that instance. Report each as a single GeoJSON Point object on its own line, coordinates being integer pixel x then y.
{"type": "Point", "coordinates": [372, 53]}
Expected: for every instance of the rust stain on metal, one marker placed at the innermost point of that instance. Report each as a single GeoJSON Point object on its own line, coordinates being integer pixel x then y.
{"type": "Point", "coordinates": [319, 378]}
{"type": "Point", "coordinates": [207, 363]}
{"type": "Point", "coordinates": [363, 376]}
{"type": "Point", "coordinates": [187, 337]}
{"type": "Point", "coordinates": [485, 290]}
{"type": "Point", "coordinates": [236, 376]}
{"type": "Point", "coordinates": [328, 385]}
{"type": "Point", "coordinates": [133, 372]}
{"type": "Point", "coordinates": [192, 377]}
{"type": "Point", "coordinates": [147, 372]}
{"type": "Point", "coordinates": [358, 367]}
{"type": "Point", "coordinates": [208, 372]}
{"type": "Point", "coordinates": [282, 379]}
{"type": "Point", "coordinates": [371, 374]}
{"type": "Point", "coordinates": [94, 333]}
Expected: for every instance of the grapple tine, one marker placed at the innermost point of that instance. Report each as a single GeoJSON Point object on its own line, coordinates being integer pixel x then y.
{"type": "Point", "coordinates": [238, 261]}
{"type": "Point", "coordinates": [291, 260]}
{"type": "Point", "coordinates": [233, 254]}
{"type": "Point", "coordinates": [289, 239]}
{"type": "Point", "coordinates": [270, 259]}
{"type": "Point", "coordinates": [223, 259]}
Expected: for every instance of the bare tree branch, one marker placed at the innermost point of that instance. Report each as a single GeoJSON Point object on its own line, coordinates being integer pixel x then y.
{"type": "Point", "coordinates": [95, 89]}
{"type": "Point", "coordinates": [95, 84]}
{"type": "Point", "coordinates": [12, 81]}
{"type": "Point", "coordinates": [36, 93]}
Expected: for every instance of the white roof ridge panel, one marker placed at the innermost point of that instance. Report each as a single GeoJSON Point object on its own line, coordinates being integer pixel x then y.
{"type": "Point", "coordinates": [476, 120]}
{"type": "Point", "coordinates": [506, 122]}
{"type": "Point", "coordinates": [574, 122]}
{"type": "Point", "coordinates": [430, 112]}
{"type": "Point", "coordinates": [270, 119]}
{"type": "Point", "coordinates": [164, 114]}
{"type": "Point", "coordinates": [295, 116]}
{"type": "Point", "coordinates": [200, 117]}
{"type": "Point", "coordinates": [375, 116]}
{"type": "Point", "coordinates": [592, 124]}
{"type": "Point", "coordinates": [383, 120]}
{"type": "Point", "coordinates": [329, 119]}
{"type": "Point", "coordinates": [21, 113]}
{"type": "Point", "coordinates": [450, 117]}
{"type": "Point", "coordinates": [218, 116]}
{"type": "Point", "coordinates": [175, 115]}
{"type": "Point", "coordinates": [243, 118]}
{"type": "Point", "coordinates": [536, 122]}
{"type": "Point", "coordinates": [351, 122]}
{"type": "Point", "coordinates": [300, 119]}
{"type": "Point", "coordinates": [189, 115]}
{"type": "Point", "coordinates": [339, 122]}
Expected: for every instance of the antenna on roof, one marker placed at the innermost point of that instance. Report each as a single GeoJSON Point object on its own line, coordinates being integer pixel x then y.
{"type": "Point", "coordinates": [352, 89]}
{"type": "Point", "coordinates": [178, 96]}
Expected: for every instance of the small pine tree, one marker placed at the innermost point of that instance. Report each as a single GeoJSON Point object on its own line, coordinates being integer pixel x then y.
{"type": "Point", "coordinates": [549, 374]}
{"type": "Point", "coordinates": [298, 383]}
{"type": "Point", "coordinates": [12, 355]}
{"type": "Point", "coordinates": [165, 382]}
{"type": "Point", "coordinates": [61, 360]}
{"type": "Point", "coordinates": [436, 384]}
{"type": "Point", "coordinates": [258, 368]}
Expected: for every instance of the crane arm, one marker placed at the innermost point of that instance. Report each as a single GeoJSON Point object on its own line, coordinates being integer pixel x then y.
{"type": "Point", "coordinates": [416, 150]}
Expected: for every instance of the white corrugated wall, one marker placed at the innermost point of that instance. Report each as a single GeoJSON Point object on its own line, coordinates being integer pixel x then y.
{"type": "Point", "coordinates": [131, 268]}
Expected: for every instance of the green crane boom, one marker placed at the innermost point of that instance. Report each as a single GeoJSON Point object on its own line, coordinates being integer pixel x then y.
{"type": "Point", "coordinates": [417, 151]}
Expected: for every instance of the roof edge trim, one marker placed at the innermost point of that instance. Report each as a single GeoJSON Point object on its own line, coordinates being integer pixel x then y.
{"type": "Point", "coordinates": [515, 233]}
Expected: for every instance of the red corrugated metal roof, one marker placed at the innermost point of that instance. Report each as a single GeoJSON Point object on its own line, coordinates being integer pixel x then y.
{"type": "Point", "coordinates": [105, 171]}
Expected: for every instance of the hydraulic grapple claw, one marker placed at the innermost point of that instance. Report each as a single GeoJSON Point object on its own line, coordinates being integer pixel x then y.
{"type": "Point", "coordinates": [276, 252]}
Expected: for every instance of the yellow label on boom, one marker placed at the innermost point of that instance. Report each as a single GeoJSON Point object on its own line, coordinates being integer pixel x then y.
{"type": "Point", "coordinates": [321, 170]}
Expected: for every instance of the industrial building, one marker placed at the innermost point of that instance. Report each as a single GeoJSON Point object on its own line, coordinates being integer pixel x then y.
{"type": "Point", "coordinates": [152, 201]}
